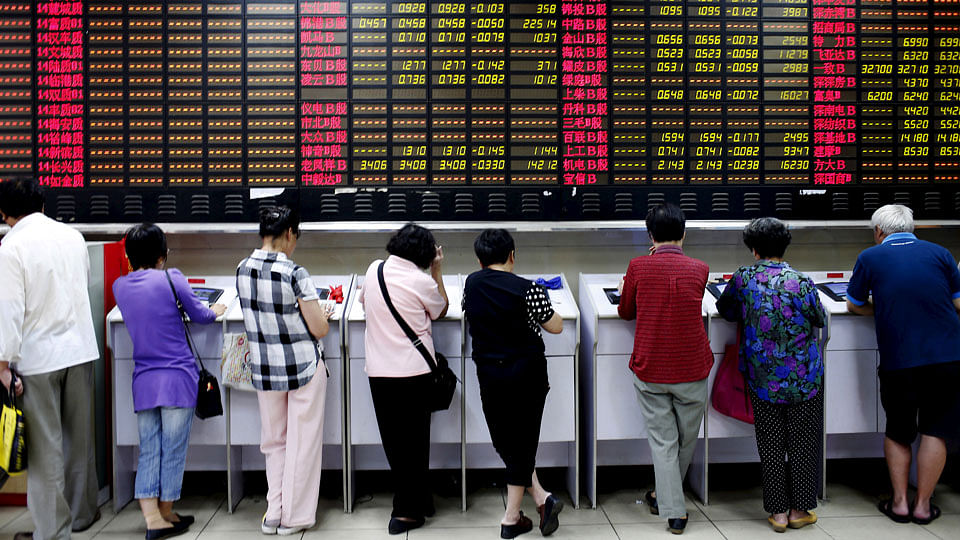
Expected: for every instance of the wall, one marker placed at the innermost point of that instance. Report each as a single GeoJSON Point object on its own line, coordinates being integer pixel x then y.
{"type": "Point", "coordinates": [537, 252]}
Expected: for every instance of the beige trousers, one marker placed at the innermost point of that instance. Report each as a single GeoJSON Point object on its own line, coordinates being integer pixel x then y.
{"type": "Point", "coordinates": [291, 439]}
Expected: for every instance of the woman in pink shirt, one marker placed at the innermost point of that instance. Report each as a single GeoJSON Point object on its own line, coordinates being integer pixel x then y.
{"type": "Point", "coordinates": [399, 375]}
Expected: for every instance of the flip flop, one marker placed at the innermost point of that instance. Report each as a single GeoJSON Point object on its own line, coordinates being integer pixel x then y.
{"type": "Point", "coordinates": [934, 514]}
{"type": "Point", "coordinates": [886, 508]}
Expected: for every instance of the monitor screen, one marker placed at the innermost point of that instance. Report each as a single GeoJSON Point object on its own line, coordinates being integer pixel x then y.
{"type": "Point", "coordinates": [840, 289]}
{"type": "Point", "coordinates": [836, 290]}
{"type": "Point", "coordinates": [208, 295]}
{"type": "Point", "coordinates": [716, 289]}
{"type": "Point", "coordinates": [613, 296]}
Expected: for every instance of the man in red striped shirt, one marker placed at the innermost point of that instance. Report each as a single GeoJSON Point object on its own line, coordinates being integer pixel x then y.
{"type": "Point", "coordinates": [671, 355]}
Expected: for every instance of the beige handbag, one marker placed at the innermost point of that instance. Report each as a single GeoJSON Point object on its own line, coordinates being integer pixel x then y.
{"type": "Point", "coordinates": [235, 363]}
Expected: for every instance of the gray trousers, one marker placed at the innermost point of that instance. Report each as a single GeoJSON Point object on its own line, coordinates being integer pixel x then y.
{"type": "Point", "coordinates": [61, 450]}
{"type": "Point", "coordinates": [673, 413]}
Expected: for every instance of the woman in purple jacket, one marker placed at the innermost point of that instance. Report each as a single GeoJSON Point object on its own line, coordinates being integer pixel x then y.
{"type": "Point", "coordinates": [165, 374]}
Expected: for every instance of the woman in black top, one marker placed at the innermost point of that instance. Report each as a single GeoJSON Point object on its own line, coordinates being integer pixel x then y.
{"type": "Point", "coordinates": [506, 312]}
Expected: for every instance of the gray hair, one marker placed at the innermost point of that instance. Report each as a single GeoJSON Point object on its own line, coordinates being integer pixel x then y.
{"type": "Point", "coordinates": [892, 218]}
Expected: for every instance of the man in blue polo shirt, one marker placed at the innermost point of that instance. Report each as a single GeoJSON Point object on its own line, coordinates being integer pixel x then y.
{"type": "Point", "coordinates": [916, 300]}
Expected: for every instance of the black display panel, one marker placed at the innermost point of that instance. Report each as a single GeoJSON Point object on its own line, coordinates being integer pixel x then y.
{"type": "Point", "coordinates": [207, 294]}
{"type": "Point", "coordinates": [836, 290]}
{"type": "Point", "coordinates": [612, 294]}
{"type": "Point", "coordinates": [423, 109]}
{"type": "Point", "coordinates": [716, 289]}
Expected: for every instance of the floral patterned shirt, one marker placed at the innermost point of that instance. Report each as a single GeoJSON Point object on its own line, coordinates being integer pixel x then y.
{"type": "Point", "coordinates": [779, 349]}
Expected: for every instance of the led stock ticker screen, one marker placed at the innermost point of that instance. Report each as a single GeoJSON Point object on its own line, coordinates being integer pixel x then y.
{"type": "Point", "coordinates": [480, 93]}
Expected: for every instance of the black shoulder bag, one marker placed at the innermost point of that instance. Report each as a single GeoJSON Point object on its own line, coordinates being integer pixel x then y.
{"type": "Point", "coordinates": [443, 382]}
{"type": "Point", "coordinates": [208, 388]}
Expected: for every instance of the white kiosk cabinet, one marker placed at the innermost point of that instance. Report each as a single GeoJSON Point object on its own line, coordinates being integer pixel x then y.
{"type": "Point", "coordinates": [363, 446]}
{"type": "Point", "coordinates": [207, 437]}
{"type": "Point", "coordinates": [854, 417]}
{"type": "Point", "coordinates": [243, 410]}
{"type": "Point", "coordinates": [614, 427]}
{"type": "Point", "coordinates": [559, 432]}
{"type": "Point", "coordinates": [730, 440]}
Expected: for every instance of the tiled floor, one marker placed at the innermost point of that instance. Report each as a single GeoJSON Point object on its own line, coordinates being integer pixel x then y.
{"type": "Point", "coordinates": [848, 514]}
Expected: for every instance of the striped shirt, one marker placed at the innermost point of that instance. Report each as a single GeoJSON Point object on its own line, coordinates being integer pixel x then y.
{"type": "Point", "coordinates": [284, 356]}
{"type": "Point", "coordinates": [664, 292]}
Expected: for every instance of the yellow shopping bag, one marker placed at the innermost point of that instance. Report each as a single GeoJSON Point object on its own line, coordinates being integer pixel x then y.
{"type": "Point", "coordinates": [13, 449]}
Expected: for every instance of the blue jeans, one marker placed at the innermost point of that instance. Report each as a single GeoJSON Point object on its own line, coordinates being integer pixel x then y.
{"type": "Point", "coordinates": [164, 437]}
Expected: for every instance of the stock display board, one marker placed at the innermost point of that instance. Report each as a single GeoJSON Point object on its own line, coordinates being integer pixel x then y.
{"type": "Point", "coordinates": [466, 109]}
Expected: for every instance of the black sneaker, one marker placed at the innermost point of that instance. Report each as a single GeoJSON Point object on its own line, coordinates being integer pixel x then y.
{"type": "Point", "coordinates": [522, 526]}
{"type": "Point", "coordinates": [548, 514]}
{"type": "Point", "coordinates": [652, 503]}
{"type": "Point", "coordinates": [677, 525]}
{"type": "Point", "coordinates": [400, 526]}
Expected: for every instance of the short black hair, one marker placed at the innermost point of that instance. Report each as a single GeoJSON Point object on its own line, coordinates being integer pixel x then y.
{"type": "Point", "coordinates": [415, 244]}
{"type": "Point", "coordinates": [145, 245]}
{"type": "Point", "coordinates": [493, 246]}
{"type": "Point", "coordinates": [666, 223]}
{"type": "Point", "coordinates": [768, 236]}
{"type": "Point", "coordinates": [275, 220]}
{"type": "Point", "coordinates": [20, 196]}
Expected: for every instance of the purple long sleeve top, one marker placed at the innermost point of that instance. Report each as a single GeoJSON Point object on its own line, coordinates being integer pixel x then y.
{"type": "Point", "coordinates": [165, 372]}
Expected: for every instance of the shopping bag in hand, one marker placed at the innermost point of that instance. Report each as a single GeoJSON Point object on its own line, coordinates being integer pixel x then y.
{"type": "Point", "coordinates": [13, 449]}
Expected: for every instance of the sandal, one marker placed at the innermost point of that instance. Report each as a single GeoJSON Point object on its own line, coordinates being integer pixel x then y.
{"type": "Point", "coordinates": [934, 514]}
{"type": "Point", "coordinates": [777, 526]}
{"type": "Point", "coordinates": [886, 508]}
{"type": "Point", "coordinates": [808, 519]}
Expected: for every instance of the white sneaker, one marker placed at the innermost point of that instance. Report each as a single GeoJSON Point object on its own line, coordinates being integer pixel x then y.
{"type": "Point", "coordinates": [287, 531]}
{"type": "Point", "coordinates": [269, 527]}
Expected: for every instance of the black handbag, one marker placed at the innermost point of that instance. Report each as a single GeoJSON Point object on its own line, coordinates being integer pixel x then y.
{"type": "Point", "coordinates": [208, 388]}
{"type": "Point", "coordinates": [443, 382]}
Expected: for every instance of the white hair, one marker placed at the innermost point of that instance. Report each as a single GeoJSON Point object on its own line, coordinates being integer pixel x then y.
{"type": "Point", "coordinates": [892, 218]}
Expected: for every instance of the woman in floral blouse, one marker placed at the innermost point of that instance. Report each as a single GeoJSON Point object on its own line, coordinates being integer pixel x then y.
{"type": "Point", "coordinates": [780, 311]}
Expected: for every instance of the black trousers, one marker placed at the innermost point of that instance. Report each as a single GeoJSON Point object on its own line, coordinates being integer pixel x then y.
{"type": "Point", "coordinates": [789, 440]}
{"type": "Point", "coordinates": [513, 393]}
{"type": "Point", "coordinates": [404, 421]}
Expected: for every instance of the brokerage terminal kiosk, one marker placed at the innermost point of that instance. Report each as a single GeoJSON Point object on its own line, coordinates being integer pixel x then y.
{"type": "Point", "coordinates": [207, 437]}
{"type": "Point", "coordinates": [728, 440]}
{"type": "Point", "coordinates": [854, 417]}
